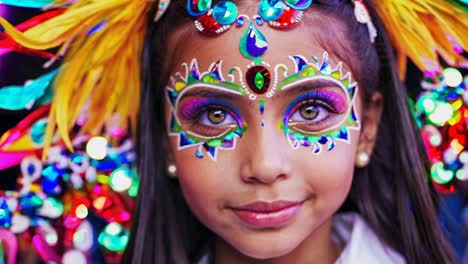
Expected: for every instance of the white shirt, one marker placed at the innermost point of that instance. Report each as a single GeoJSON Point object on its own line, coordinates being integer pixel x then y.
{"type": "Point", "coordinates": [361, 244]}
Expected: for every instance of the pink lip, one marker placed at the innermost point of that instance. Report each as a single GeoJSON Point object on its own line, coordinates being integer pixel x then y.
{"type": "Point", "coordinates": [267, 215]}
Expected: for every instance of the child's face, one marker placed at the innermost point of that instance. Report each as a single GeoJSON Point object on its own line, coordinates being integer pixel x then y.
{"type": "Point", "coordinates": [240, 189]}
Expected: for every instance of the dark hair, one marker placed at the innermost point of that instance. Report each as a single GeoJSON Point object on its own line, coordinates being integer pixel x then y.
{"type": "Point", "coordinates": [392, 193]}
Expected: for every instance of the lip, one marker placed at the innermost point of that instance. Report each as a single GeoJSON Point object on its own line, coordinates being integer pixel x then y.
{"type": "Point", "coordinates": [267, 214]}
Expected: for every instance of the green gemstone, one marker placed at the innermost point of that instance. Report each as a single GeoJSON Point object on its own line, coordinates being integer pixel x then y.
{"type": "Point", "coordinates": [259, 81]}
{"type": "Point", "coordinates": [203, 5]}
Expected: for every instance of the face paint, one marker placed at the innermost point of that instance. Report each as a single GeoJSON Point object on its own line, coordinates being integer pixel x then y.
{"type": "Point", "coordinates": [208, 123]}
{"type": "Point", "coordinates": [262, 110]}
{"type": "Point", "coordinates": [303, 122]}
{"type": "Point", "coordinates": [314, 118]}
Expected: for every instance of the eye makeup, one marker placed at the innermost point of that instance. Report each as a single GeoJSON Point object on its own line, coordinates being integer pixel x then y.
{"type": "Point", "coordinates": [208, 118]}
{"type": "Point", "coordinates": [321, 111]}
{"type": "Point", "coordinates": [319, 116]}
{"type": "Point", "coordinates": [199, 115]}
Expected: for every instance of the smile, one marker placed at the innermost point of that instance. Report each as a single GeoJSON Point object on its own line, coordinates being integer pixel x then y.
{"type": "Point", "coordinates": [267, 214]}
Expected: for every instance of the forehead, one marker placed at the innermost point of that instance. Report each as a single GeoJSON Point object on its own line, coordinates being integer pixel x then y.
{"type": "Point", "coordinates": [305, 39]}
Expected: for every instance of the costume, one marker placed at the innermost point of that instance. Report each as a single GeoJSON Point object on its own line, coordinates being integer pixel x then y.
{"type": "Point", "coordinates": [71, 187]}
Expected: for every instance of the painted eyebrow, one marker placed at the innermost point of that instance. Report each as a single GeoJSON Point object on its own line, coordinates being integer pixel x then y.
{"type": "Point", "coordinates": [308, 84]}
{"type": "Point", "coordinates": [210, 92]}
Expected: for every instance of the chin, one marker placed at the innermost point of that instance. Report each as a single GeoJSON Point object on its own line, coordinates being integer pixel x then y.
{"type": "Point", "coordinates": [261, 249]}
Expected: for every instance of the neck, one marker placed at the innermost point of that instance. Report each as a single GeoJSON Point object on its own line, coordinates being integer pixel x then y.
{"type": "Point", "coordinates": [318, 246]}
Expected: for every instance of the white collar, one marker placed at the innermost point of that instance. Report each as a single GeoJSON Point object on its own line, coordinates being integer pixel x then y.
{"type": "Point", "coordinates": [361, 244]}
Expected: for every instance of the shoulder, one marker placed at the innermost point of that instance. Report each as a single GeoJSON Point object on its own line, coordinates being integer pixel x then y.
{"type": "Point", "coordinates": [360, 243]}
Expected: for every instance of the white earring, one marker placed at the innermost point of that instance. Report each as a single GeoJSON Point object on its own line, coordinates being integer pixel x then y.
{"type": "Point", "coordinates": [172, 170]}
{"type": "Point", "coordinates": [362, 159]}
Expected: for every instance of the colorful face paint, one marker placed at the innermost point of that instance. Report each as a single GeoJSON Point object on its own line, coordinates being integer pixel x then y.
{"type": "Point", "coordinates": [208, 123]}
{"type": "Point", "coordinates": [305, 120]}
{"type": "Point", "coordinates": [201, 117]}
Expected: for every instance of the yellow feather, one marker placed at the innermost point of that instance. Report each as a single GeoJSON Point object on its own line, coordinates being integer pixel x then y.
{"type": "Point", "coordinates": [420, 30]}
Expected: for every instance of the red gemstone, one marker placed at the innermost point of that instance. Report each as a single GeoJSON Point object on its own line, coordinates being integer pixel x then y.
{"type": "Point", "coordinates": [289, 18]}
{"type": "Point", "coordinates": [258, 79]}
{"type": "Point", "coordinates": [207, 24]}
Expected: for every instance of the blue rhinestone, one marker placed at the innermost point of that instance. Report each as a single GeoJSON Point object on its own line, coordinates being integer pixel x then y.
{"type": "Point", "coordinates": [259, 20]}
{"type": "Point", "coordinates": [270, 10]}
{"type": "Point", "coordinates": [225, 12]}
{"type": "Point", "coordinates": [240, 21]}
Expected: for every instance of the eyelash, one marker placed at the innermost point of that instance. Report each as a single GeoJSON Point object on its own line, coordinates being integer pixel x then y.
{"type": "Point", "coordinates": [322, 101]}
{"type": "Point", "coordinates": [193, 114]}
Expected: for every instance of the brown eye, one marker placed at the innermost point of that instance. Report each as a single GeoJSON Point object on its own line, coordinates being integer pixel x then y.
{"type": "Point", "coordinates": [309, 112]}
{"type": "Point", "coordinates": [216, 116]}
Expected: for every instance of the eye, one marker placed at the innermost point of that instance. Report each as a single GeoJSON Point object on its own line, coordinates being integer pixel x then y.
{"type": "Point", "coordinates": [315, 111]}
{"type": "Point", "coordinates": [309, 112]}
{"type": "Point", "coordinates": [216, 116]}
{"type": "Point", "coordinates": [208, 118]}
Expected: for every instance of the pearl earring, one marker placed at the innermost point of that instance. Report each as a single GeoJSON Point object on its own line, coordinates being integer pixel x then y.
{"type": "Point", "coordinates": [362, 159]}
{"type": "Point", "coordinates": [172, 170]}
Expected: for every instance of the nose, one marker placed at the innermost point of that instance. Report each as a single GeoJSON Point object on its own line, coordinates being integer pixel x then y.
{"type": "Point", "coordinates": [267, 156]}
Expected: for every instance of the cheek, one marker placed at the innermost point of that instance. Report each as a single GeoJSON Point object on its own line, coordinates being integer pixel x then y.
{"type": "Point", "coordinates": [203, 181]}
{"type": "Point", "coordinates": [329, 175]}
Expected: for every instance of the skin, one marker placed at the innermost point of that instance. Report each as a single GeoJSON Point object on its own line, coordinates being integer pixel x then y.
{"type": "Point", "coordinates": [264, 167]}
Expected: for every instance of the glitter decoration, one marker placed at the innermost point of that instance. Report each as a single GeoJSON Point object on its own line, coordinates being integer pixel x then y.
{"type": "Point", "coordinates": [299, 4]}
{"type": "Point", "coordinates": [308, 71]}
{"type": "Point", "coordinates": [258, 79]}
{"type": "Point", "coordinates": [198, 7]}
{"type": "Point", "coordinates": [225, 12]}
{"type": "Point", "coordinates": [181, 84]}
{"type": "Point", "coordinates": [64, 200]}
{"type": "Point", "coordinates": [441, 111]}
{"type": "Point", "coordinates": [262, 111]}
{"type": "Point", "coordinates": [288, 19]}
{"type": "Point", "coordinates": [253, 43]}
{"type": "Point", "coordinates": [270, 10]}
{"type": "Point", "coordinates": [208, 24]}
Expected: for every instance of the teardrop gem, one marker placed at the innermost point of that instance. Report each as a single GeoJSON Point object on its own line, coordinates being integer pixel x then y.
{"type": "Point", "coordinates": [289, 18]}
{"type": "Point", "coordinates": [225, 12]}
{"type": "Point", "coordinates": [253, 43]}
{"type": "Point", "coordinates": [270, 10]}
{"type": "Point", "coordinates": [258, 79]}
{"type": "Point", "coordinates": [299, 4]}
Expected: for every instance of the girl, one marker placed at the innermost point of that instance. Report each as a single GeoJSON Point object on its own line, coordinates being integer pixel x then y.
{"type": "Point", "coordinates": [243, 189]}
{"type": "Point", "coordinates": [269, 131]}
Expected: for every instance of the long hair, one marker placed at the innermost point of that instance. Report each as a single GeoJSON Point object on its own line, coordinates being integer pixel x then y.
{"type": "Point", "coordinates": [392, 193]}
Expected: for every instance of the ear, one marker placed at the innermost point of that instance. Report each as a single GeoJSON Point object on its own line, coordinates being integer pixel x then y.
{"type": "Point", "coordinates": [372, 112]}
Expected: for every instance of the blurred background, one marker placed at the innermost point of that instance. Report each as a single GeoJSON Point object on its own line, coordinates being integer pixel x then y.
{"type": "Point", "coordinates": [82, 212]}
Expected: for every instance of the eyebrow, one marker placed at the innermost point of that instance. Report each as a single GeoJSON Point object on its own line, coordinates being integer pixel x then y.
{"type": "Point", "coordinates": [210, 92]}
{"type": "Point", "coordinates": [310, 83]}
